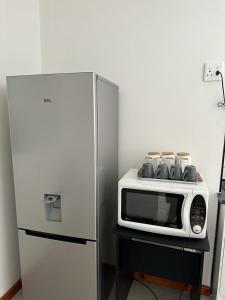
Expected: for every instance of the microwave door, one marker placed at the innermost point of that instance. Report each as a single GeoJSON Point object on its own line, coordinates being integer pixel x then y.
{"type": "Point", "coordinates": [174, 219]}
{"type": "Point", "coordinates": [169, 210]}
{"type": "Point", "coordinates": [139, 206]}
{"type": "Point", "coordinates": [152, 208]}
{"type": "Point", "coordinates": [163, 209]}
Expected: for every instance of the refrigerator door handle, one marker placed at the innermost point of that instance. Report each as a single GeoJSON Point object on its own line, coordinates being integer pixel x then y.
{"type": "Point", "coordinates": [57, 237]}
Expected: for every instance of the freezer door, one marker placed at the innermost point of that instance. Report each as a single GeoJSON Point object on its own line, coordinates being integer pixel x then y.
{"type": "Point", "coordinates": [56, 270]}
{"type": "Point", "coordinates": [53, 146]}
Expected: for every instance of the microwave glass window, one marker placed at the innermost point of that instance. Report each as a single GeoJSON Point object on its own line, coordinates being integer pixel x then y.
{"type": "Point", "coordinates": [155, 208]}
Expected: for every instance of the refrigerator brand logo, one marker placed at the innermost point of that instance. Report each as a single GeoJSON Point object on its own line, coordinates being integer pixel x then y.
{"type": "Point", "coordinates": [47, 100]}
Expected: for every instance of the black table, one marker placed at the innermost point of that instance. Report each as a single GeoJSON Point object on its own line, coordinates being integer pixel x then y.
{"type": "Point", "coordinates": [174, 258]}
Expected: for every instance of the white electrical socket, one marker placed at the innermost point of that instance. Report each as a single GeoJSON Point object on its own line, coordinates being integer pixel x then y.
{"type": "Point", "coordinates": [210, 70]}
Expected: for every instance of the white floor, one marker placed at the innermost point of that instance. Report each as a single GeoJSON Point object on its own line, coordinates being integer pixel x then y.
{"type": "Point", "coordinates": [139, 292]}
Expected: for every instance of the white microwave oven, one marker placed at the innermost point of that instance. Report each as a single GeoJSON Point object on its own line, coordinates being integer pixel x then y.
{"type": "Point", "coordinates": [170, 208]}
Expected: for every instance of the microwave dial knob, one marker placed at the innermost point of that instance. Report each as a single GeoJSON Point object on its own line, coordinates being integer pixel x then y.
{"type": "Point", "coordinates": [197, 229]}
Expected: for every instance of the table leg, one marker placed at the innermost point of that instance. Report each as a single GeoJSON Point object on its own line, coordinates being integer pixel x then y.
{"type": "Point", "coordinates": [123, 284]}
{"type": "Point", "coordinates": [123, 278]}
{"type": "Point", "coordinates": [195, 294]}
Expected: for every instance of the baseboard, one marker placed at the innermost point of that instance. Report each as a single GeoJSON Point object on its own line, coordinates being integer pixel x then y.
{"type": "Point", "coordinates": [205, 290]}
{"type": "Point", "coordinates": [12, 291]}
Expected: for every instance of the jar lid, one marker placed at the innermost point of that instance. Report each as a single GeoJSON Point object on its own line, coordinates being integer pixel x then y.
{"type": "Point", "coordinates": [168, 153]}
{"type": "Point", "coordinates": [183, 154]}
{"type": "Point", "coordinates": [153, 153]}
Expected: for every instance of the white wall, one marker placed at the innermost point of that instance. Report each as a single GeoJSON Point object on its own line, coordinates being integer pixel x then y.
{"type": "Point", "coordinates": [20, 53]}
{"type": "Point", "coordinates": [155, 51]}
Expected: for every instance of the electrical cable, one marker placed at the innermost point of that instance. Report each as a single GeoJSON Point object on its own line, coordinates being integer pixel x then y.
{"type": "Point", "coordinates": [221, 104]}
{"type": "Point", "coordinates": [181, 292]}
{"type": "Point", "coordinates": [148, 287]}
{"type": "Point", "coordinates": [154, 294]}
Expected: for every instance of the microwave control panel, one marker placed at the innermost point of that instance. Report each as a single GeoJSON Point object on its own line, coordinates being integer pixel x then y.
{"type": "Point", "coordinates": [198, 214]}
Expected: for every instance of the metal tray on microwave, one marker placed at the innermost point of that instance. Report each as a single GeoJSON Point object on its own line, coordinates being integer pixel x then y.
{"type": "Point", "coordinates": [199, 179]}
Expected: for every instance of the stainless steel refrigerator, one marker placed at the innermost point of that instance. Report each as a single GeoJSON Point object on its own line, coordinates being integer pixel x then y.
{"type": "Point", "coordinates": [64, 139]}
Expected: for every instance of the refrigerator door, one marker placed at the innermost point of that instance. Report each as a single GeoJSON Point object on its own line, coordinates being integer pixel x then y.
{"type": "Point", "coordinates": [57, 270]}
{"type": "Point", "coordinates": [52, 127]}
